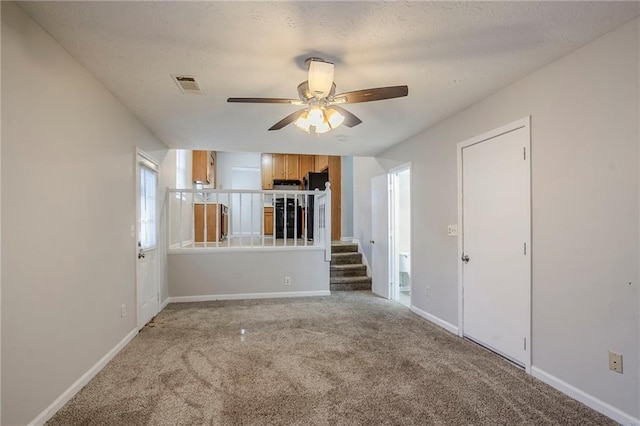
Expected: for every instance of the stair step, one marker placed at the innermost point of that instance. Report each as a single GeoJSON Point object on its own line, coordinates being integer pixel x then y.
{"type": "Point", "coordinates": [348, 280]}
{"type": "Point", "coordinates": [344, 247]}
{"type": "Point", "coordinates": [348, 270]}
{"type": "Point", "coordinates": [346, 258]}
{"type": "Point", "coordinates": [350, 283]}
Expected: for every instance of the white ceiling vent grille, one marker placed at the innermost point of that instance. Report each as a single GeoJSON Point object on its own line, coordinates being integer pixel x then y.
{"type": "Point", "coordinates": [187, 84]}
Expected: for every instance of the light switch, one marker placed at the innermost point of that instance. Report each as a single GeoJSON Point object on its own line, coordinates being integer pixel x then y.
{"type": "Point", "coordinates": [452, 230]}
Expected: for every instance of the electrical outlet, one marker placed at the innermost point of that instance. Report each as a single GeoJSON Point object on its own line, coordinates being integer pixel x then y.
{"type": "Point", "coordinates": [287, 280]}
{"type": "Point", "coordinates": [452, 230]}
{"type": "Point", "coordinates": [615, 362]}
{"type": "Point", "coordinates": [123, 310]}
{"type": "Point", "coordinates": [428, 291]}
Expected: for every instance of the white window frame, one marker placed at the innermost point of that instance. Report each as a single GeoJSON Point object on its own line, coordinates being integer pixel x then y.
{"type": "Point", "coordinates": [181, 172]}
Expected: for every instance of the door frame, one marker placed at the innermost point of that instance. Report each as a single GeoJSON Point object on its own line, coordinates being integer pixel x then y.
{"type": "Point", "coordinates": [394, 267]}
{"type": "Point", "coordinates": [142, 156]}
{"type": "Point", "coordinates": [518, 124]}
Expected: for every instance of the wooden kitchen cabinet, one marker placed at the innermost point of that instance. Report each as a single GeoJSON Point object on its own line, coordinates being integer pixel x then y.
{"type": "Point", "coordinates": [292, 166]}
{"type": "Point", "coordinates": [268, 221]}
{"type": "Point", "coordinates": [279, 166]}
{"type": "Point", "coordinates": [307, 164]}
{"type": "Point", "coordinates": [203, 168]}
{"type": "Point", "coordinates": [267, 171]}
{"type": "Point", "coordinates": [322, 162]}
{"type": "Point", "coordinates": [215, 212]}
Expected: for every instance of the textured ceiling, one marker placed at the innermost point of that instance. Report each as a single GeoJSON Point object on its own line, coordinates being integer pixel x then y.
{"type": "Point", "coordinates": [449, 54]}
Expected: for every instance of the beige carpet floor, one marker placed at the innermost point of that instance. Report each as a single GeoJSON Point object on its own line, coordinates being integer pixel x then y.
{"type": "Point", "coordinates": [347, 359]}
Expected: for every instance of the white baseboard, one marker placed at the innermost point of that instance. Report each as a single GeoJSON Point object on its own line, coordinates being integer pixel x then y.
{"type": "Point", "coordinates": [212, 297]}
{"type": "Point", "coordinates": [164, 304]}
{"type": "Point", "coordinates": [588, 400]}
{"type": "Point", "coordinates": [437, 321]}
{"type": "Point", "coordinates": [81, 382]}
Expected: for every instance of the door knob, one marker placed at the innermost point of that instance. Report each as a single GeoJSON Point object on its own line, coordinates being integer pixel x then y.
{"type": "Point", "coordinates": [465, 258]}
{"type": "Point", "coordinates": [372, 242]}
{"type": "Point", "coordinates": [140, 255]}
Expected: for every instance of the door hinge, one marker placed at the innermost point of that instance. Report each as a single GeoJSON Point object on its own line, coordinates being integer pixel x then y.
{"type": "Point", "coordinates": [524, 153]}
{"type": "Point", "coordinates": [525, 248]}
{"type": "Point", "coordinates": [525, 343]}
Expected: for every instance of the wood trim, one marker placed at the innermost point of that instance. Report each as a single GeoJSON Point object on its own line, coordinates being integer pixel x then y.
{"type": "Point", "coordinates": [335, 178]}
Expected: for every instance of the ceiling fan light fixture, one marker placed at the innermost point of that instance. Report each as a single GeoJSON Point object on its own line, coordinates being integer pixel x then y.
{"type": "Point", "coordinates": [323, 127]}
{"type": "Point", "coordinates": [302, 122]}
{"type": "Point", "coordinates": [315, 116]}
{"type": "Point", "coordinates": [334, 118]}
{"type": "Point", "coordinates": [320, 78]}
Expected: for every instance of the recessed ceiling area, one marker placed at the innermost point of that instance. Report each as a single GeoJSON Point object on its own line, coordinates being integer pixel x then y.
{"type": "Point", "coordinates": [450, 54]}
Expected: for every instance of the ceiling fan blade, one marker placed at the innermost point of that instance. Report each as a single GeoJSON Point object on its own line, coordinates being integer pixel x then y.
{"type": "Point", "coordinates": [368, 95]}
{"type": "Point", "coordinates": [287, 120]}
{"type": "Point", "coordinates": [265, 100]}
{"type": "Point", "coordinates": [350, 120]}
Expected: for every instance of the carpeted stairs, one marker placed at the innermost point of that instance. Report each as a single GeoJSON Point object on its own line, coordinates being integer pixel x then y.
{"type": "Point", "coordinates": [347, 271]}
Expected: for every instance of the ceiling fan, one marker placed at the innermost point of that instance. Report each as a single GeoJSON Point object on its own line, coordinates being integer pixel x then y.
{"type": "Point", "coordinates": [322, 112]}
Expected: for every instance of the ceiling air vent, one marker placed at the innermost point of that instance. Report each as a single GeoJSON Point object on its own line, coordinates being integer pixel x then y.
{"type": "Point", "coordinates": [187, 84]}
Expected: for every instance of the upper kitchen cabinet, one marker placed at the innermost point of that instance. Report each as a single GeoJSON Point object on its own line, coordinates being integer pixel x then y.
{"type": "Point", "coordinates": [322, 163]}
{"type": "Point", "coordinates": [307, 164]}
{"type": "Point", "coordinates": [292, 162]}
{"type": "Point", "coordinates": [267, 171]}
{"type": "Point", "coordinates": [204, 168]}
{"type": "Point", "coordinates": [279, 166]}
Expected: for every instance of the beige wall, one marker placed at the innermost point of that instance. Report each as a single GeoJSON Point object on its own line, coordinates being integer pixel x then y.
{"type": "Point", "coordinates": [364, 168]}
{"type": "Point", "coordinates": [68, 181]}
{"type": "Point", "coordinates": [247, 272]}
{"type": "Point", "coordinates": [584, 112]}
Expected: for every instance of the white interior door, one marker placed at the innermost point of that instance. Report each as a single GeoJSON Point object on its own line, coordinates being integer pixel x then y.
{"type": "Point", "coordinates": [496, 267]}
{"type": "Point", "coordinates": [381, 282]}
{"type": "Point", "coordinates": [147, 282]}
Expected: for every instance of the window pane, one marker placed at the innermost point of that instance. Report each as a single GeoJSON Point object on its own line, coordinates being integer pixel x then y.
{"type": "Point", "coordinates": [148, 189]}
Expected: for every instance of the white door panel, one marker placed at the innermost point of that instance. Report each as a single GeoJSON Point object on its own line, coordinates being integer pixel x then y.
{"type": "Point", "coordinates": [496, 228]}
{"type": "Point", "coordinates": [147, 279]}
{"type": "Point", "coordinates": [380, 236]}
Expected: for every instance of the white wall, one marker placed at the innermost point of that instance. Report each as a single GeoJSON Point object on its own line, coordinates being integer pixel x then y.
{"type": "Point", "coordinates": [228, 160]}
{"type": "Point", "coordinates": [364, 168]}
{"type": "Point", "coordinates": [585, 216]}
{"type": "Point", "coordinates": [247, 272]}
{"type": "Point", "coordinates": [68, 203]}
{"type": "Point", "coordinates": [168, 180]}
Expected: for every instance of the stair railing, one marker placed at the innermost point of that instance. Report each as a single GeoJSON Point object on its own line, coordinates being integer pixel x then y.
{"type": "Point", "coordinates": [200, 219]}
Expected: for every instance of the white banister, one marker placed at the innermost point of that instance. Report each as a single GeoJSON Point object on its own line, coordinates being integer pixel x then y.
{"type": "Point", "coordinates": [231, 221]}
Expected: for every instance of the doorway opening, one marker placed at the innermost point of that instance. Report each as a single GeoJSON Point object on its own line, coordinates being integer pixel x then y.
{"type": "Point", "coordinates": [400, 232]}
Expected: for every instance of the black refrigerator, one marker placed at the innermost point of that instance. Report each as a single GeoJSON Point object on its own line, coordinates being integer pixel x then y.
{"type": "Point", "coordinates": [313, 181]}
